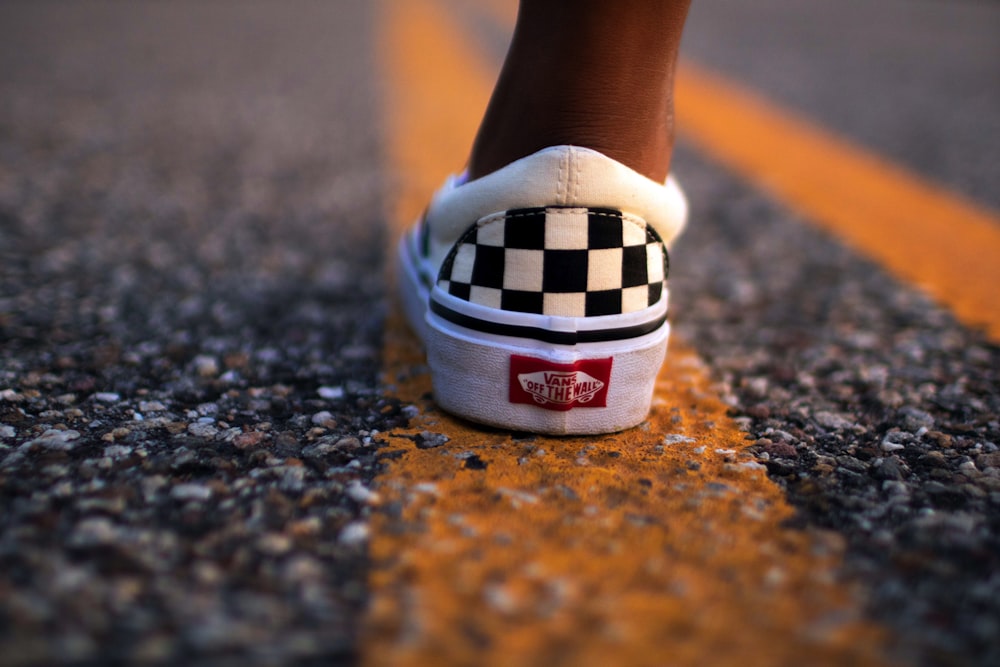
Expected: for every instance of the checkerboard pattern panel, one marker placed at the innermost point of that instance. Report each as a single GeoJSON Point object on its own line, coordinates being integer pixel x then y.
{"type": "Point", "coordinates": [570, 262]}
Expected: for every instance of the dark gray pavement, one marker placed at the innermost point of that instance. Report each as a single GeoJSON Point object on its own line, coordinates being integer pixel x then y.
{"type": "Point", "coordinates": [191, 302]}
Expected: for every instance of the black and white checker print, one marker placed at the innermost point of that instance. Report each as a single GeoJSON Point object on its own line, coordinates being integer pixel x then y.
{"type": "Point", "coordinates": [569, 262]}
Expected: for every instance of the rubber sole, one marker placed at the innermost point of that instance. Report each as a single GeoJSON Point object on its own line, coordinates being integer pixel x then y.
{"type": "Point", "coordinates": [524, 384]}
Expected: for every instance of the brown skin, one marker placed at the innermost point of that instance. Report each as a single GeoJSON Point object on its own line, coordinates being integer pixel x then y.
{"type": "Point", "coordinates": [592, 73]}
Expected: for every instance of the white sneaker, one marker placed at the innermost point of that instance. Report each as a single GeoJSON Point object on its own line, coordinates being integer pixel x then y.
{"type": "Point", "coordinates": [540, 293]}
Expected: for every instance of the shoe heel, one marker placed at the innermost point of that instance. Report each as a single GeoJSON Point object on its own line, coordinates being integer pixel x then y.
{"type": "Point", "coordinates": [556, 389]}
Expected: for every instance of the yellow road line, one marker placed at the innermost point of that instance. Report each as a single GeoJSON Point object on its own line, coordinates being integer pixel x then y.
{"type": "Point", "coordinates": [923, 234]}
{"type": "Point", "coordinates": [662, 545]}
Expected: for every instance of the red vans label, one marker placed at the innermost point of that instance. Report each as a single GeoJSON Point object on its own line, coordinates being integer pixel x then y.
{"type": "Point", "coordinates": [583, 384]}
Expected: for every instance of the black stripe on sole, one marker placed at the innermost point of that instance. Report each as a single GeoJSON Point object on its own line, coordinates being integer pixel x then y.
{"type": "Point", "coordinates": [546, 335]}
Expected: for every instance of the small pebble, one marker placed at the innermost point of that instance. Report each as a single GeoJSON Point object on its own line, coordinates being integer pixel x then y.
{"type": "Point", "coordinates": [323, 418]}
{"type": "Point", "coordinates": [359, 493]}
{"type": "Point", "coordinates": [95, 531]}
{"type": "Point", "coordinates": [274, 544]}
{"type": "Point", "coordinates": [191, 491]}
{"type": "Point", "coordinates": [202, 430]}
{"type": "Point", "coordinates": [428, 440]}
{"type": "Point", "coordinates": [354, 533]}
{"type": "Point", "coordinates": [54, 440]}
{"type": "Point", "coordinates": [330, 393]}
{"type": "Point", "coordinates": [206, 366]}
{"type": "Point", "coordinates": [249, 440]}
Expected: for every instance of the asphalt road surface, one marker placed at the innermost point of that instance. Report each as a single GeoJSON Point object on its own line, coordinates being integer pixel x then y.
{"type": "Point", "coordinates": [192, 239]}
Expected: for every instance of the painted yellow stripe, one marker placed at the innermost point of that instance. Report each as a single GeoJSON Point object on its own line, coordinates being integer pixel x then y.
{"type": "Point", "coordinates": [663, 545]}
{"type": "Point", "coordinates": [923, 234]}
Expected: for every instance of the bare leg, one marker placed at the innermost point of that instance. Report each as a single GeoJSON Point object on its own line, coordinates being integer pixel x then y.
{"type": "Point", "coordinates": [592, 73]}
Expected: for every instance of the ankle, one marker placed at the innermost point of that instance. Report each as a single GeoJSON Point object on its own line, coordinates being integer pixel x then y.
{"type": "Point", "coordinates": [644, 147]}
{"type": "Point", "coordinates": [589, 73]}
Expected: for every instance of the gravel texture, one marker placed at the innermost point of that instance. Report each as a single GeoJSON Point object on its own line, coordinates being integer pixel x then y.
{"type": "Point", "coordinates": [872, 407]}
{"type": "Point", "coordinates": [190, 318]}
{"type": "Point", "coordinates": [190, 310]}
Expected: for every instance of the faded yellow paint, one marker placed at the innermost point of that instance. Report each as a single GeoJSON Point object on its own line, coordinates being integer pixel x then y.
{"type": "Point", "coordinates": [923, 234]}
{"type": "Point", "coordinates": [663, 545]}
